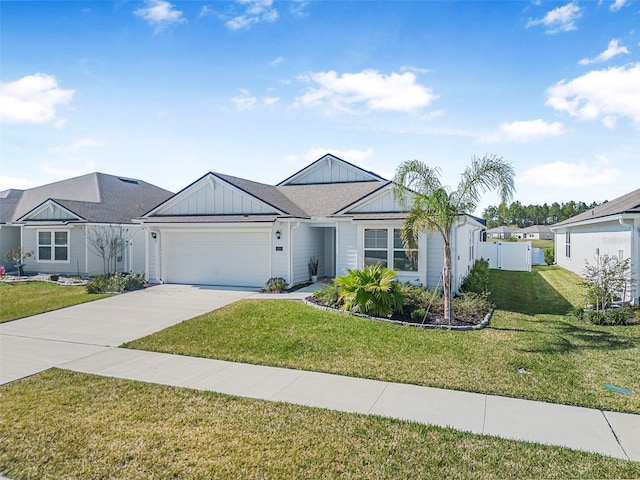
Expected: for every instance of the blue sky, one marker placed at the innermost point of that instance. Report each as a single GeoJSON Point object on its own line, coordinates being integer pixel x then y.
{"type": "Point", "coordinates": [166, 91]}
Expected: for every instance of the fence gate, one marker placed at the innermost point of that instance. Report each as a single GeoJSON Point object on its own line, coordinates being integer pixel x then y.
{"type": "Point", "coordinates": [507, 255]}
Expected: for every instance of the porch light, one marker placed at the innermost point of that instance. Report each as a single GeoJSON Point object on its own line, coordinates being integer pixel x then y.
{"type": "Point", "coordinates": [278, 234]}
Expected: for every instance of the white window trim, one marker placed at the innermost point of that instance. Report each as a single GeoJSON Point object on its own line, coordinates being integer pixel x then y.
{"type": "Point", "coordinates": [390, 248]}
{"type": "Point", "coordinates": [53, 245]}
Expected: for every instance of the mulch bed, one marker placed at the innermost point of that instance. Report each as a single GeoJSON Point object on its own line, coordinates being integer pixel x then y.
{"type": "Point", "coordinates": [433, 320]}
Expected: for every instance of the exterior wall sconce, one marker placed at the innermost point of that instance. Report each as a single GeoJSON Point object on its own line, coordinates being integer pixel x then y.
{"type": "Point", "coordinates": [154, 235]}
{"type": "Point", "coordinates": [278, 234]}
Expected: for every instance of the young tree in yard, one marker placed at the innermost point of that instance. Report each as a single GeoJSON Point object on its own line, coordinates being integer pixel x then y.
{"type": "Point", "coordinates": [433, 207]}
{"type": "Point", "coordinates": [607, 279]}
{"type": "Point", "coordinates": [107, 242]}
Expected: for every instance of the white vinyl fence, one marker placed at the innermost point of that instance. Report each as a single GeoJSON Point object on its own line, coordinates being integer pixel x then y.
{"type": "Point", "coordinates": [507, 255]}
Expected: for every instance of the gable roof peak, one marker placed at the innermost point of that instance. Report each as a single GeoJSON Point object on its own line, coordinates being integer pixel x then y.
{"type": "Point", "coordinates": [311, 173]}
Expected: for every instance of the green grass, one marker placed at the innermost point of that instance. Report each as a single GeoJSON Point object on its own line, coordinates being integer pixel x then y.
{"type": "Point", "coordinates": [535, 243]}
{"type": "Point", "coordinates": [60, 424]}
{"type": "Point", "coordinates": [23, 299]}
{"type": "Point", "coordinates": [569, 361]}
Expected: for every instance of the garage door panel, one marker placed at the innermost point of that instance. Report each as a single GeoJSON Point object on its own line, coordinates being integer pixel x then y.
{"type": "Point", "coordinates": [222, 258]}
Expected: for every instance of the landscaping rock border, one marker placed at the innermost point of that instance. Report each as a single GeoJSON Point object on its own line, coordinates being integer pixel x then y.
{"type": "Point", "coordinates": [41, 277]}
{"type": "Point", "coordinates": [479, 326]}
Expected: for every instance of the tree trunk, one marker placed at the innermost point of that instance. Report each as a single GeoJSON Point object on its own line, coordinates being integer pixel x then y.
{"type": "Point", "coordinates": [446, 282]}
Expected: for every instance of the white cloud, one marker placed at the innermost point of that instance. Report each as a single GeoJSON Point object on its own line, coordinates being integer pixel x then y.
{"type": "Point", "coordinates": [617, 5]}
{"type": "Point", "coordinates": [75, 146]}
{"type": "Point", "coordinates": [604, 94]}
{"type": "Point", "coordinates": [276, 61]}
{"type": "Point", "coordinates": [407, 68]}
{"type": "Point", "coordinates": [612, 50]}
{"type": "Point", "coordinates": [7, 183]}
{"type": "Point", "coordinates": [31, 99]}
{"type": "Point", "coordinates": [256, 11]}
{"type": "Point", "coordinates": [160, 14]}
{"type": "Point", "coordinates": [571, 175]}
{"type": "Point", "coordinates": [297, 7]}
{"type": "Point", "coordinates": [270, 100]}
{"type": "Point", "coordinates": [561, 19]}
{"type": "Point", "coordinates": [376, 91]}
{"type": "Point", "coordinates": [244, 103]}
{"type": "Point", "coordinates": [524, 131]}
{"type": "Point", "coordinates": [206, 11]}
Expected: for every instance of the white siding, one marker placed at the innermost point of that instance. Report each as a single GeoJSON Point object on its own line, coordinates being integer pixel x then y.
{"type": "Point", "coordinates": [347, 240]}
{"type": "Point", "coordinates": [330, 170]}
{"type": "Point", "coordinates": [606, 237]}
{"type": "Point", "coordinates": [280, 258]}
{"type": "Point", "coordinates": [214, 197]}
{"type": "Point", "coordinates": [383, 203]}
{"type": "Point", "coordinates": [307, 242]}
{"type": "Point", "coordinates": [52, 212]}
{"type": "Point", "coordinates": [153, 244]}
{"type": "Point", "coordinates": [435, 259]}
{"type": "Point", "coordinates": [136, 251]}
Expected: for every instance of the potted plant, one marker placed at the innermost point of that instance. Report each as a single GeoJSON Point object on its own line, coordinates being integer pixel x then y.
{"type": "Point", "coordinates": [53, 276]}
{"type": "Point", "coordinates": [17, 256]}
{"type": "Point", "coordinates": [313, 268]}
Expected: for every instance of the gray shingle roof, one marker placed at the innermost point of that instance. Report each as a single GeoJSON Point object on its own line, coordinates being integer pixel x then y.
{"type": "Point", "coordinates": [95, 197]}
{"type": "Point", "coordinates": [629, 203]}
{"type": "Point", "coordinates": [502, 229]}
{"type": "Point", "coordinates": [321, 200]}
{"type": "Point", "coordinates": [267, 193]}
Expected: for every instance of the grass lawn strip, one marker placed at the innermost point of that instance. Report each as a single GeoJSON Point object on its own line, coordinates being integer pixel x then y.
{"type": "Point", "coordinates": [23, 299]}
{"type": "Point", "coordinates": [61, 424]}
{"type": "Point", "coordinates": [569, 361]}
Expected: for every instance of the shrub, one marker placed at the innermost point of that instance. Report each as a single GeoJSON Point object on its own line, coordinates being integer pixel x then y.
{"type": "Point", "coordinates": [417, 296]}
{"type": "Point", "coordinates": [549, 255]}
{"type": "Point", "coordinates": [472, 304]}
{"type": "Point", "coordinates": [478, 279]}
{"type": "Point", "coordinates": [617, 316]}
{"type": "Point", "coordinates": [275, 285]}
{"type": "Point", "coordinates": [118, 282]}
{"type": "Point", "coordinates": [418, 314]}
{"type": "Point", "coordinates": [329, 295]}
{"type": "Point", "coordinates": [371, 291]}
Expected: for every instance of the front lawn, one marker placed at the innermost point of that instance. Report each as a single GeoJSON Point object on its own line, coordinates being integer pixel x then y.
{"type": "Point", "coordinates": [568, 361]}
{"type": "Point", "coordinates": [60, 424]}
{"type": "Point", "coordinates": [23, 299]}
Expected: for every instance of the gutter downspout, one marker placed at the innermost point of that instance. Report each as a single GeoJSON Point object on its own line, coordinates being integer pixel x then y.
{"type": "Point", "coordinates": [635, 264]}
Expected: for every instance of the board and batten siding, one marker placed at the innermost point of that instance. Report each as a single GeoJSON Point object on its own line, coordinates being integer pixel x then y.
{"type": "Point", "coordinates": [383, 203]}
{"type": "Point", "coordinates": [216, 198]}
{"type": "Point", "coordinates": [347, 241]}
{"type": "Point", "coordinates": [280, 259]}
{"type": "Point", "coordinates": [53, 212]}
{"type": "Point", "coordinates": [9, 239]}
{"type": "Point", "coordinates": [331, 172]}
{"type": "Point", "coordinates": [153, 253]}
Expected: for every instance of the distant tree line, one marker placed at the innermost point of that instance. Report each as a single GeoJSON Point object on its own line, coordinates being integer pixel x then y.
{"type": "Point", "coordinates": [521, 216]}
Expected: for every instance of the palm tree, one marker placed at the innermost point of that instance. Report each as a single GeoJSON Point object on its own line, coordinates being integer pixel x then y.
{"type": "Point", "coordinates": [433, 207]}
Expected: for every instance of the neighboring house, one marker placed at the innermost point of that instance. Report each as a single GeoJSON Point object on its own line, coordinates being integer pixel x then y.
{"type": "Point", "coordinates": [539, 232]}
{"type": "Point", "coordinates": [54, 222]}
{"type": "Point", "coordinates": [226, 230]}
{"type": "Point", "coordinates": [612, 228]}
{"type": "Point", "coordinates": [502, 232]}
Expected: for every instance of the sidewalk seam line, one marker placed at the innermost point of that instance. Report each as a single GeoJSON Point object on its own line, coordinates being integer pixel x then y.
{"type": "Point", "coordinates": [386, 385]}
{"type": "Point", "coordinates": [59, 341]}
{"type": "Point", "coordinates": [484, 414]}
{"type": "Point", "coordinates": [302, 374]}
{"type": "Point", "coordinates": [615, 435]}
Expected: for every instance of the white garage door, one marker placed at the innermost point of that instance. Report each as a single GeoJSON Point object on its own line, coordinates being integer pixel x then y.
{"type": "Point", "coordinates": [221, 258]}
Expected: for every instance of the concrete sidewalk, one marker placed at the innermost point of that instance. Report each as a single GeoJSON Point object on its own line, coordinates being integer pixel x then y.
{"type": "Point", "coordinates": [608, 433]}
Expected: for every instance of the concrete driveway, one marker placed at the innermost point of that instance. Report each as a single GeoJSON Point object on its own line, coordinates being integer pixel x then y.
{"type": "Point", "coordinates": [31, 345]}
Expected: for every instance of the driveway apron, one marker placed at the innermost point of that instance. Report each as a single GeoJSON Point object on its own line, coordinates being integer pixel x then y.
{"type": "Point", "coordinates": [31, 345]}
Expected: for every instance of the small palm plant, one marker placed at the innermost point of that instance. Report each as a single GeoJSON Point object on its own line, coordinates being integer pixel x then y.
{"type": "Point", "coordinates": [371, 291]}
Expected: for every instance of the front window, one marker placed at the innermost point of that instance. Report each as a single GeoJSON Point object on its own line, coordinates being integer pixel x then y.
{"type": "Point", "coordinates": [403, 259]}
{"type": "Point", "coordinates": [384, 246]}
{"type": "Point", "coordinates": [376, 246]}
{"type": "Point", "coordinates": [53, 246]}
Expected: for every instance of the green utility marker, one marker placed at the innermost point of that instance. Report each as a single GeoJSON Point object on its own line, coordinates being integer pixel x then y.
{"type": "Point", "coordinates": [613, 388]}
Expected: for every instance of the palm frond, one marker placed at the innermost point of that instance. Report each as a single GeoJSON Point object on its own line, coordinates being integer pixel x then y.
{"type": "Point", "coordinates": [487, 173]}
